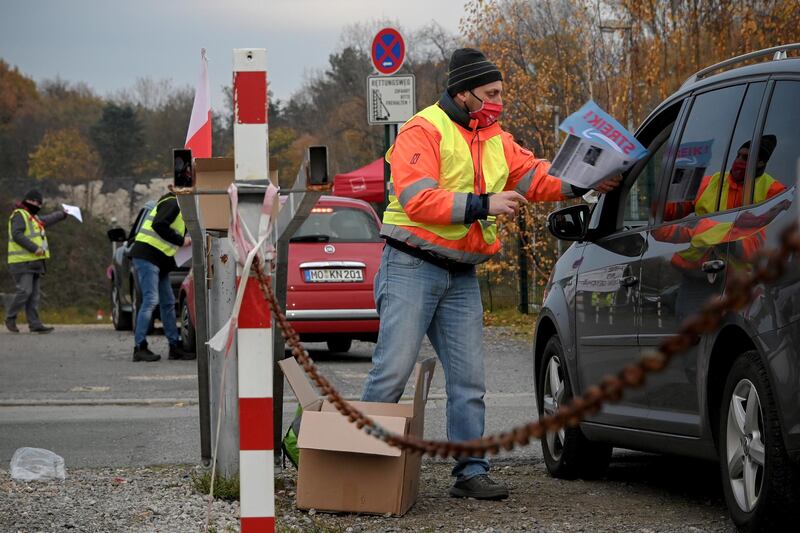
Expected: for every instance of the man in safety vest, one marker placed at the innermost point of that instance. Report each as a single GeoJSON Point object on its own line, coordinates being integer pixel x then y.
{"type": "Point", "coordinates": [27, 252]}
{"type": "Point", "coordinates": [453, 171]}
{"type": "Point", "coordinates": [161, 234]}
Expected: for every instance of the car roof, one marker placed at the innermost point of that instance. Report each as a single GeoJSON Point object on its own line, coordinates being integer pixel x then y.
{"type": "Point", "coordinates": [758, 70]}
{"type": "Point", "coordinates": [342, 201]}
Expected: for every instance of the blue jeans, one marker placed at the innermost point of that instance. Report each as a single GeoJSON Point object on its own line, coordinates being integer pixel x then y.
{"type": "Point", "coordinates": [415, 298]}
{"type": "Point", "coordinates": [156, 289]}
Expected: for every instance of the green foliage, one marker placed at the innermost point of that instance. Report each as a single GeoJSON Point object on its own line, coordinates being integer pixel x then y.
{"type": "Point", "coordinates": [118, 137]}
{"type": "Point", "coordinates": [224, 488]}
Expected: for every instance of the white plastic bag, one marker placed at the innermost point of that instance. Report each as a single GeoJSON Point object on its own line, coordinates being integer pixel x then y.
{"type": "Point", "coordinates": [36, 464]}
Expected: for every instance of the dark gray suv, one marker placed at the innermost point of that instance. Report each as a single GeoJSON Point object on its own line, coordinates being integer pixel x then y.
{"type": "Point", "coordinates": [717, 187]}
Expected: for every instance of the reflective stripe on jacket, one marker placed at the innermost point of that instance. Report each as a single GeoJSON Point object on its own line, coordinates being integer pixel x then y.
{"type": "Point", "coordinates": [34, 230]}
{"type": "Point", "coordinates": [709, 233]}
{"type": "Point", "coordinates": [436, 163]}
{"type": "Point", "coordinates": [148, 235]}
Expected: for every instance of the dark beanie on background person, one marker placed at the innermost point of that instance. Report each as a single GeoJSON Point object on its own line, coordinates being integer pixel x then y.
{"type": "Point", "coordinates": [468, 69]}
{"type": "Point", "coordinates": [34, 195]}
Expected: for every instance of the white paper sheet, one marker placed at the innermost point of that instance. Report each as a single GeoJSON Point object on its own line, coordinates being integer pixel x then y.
{"type": "Point", "coordinates": [73, 210]}
{"type": "Point", "coordinates": [183, 255]}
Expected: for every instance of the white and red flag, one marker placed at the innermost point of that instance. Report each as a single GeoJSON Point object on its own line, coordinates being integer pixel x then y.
{"type": "Point", "coordinates": [198, 138]}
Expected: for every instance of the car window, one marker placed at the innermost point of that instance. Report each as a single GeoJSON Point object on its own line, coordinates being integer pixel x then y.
{"type": "Point", "coordinates": [639, 200]}
{"type": "Point", "coordinates": [731, 188]}
{"type": "Point", "coordinates": [701, 152]}
{"type": "Point", "coordinates": [779, 145]}
{"type": "Point", "coordinates": [338, 224]}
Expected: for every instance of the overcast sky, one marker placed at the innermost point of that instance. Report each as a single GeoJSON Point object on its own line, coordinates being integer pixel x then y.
{"type": "Point", "coordinates": [110, 43]}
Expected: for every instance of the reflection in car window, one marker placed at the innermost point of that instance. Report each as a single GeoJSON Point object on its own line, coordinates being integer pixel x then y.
{"type": "Point", "coordinates": [638, 204]}
{"type": "Point", "coordinates": [701, 150]}
{"type": "Point", "coordinates": [338, 224]}
{"type": "Point", "coordinates": [782, 135]}
{"type": "Point", "coordinates": [731, 189]}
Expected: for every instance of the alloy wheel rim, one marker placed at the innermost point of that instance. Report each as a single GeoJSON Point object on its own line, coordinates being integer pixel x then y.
{"type": "Point", "coordinates": [185, 322]}
{"type": "Point", "coordinates": [745, 451]}
{"type": "Point", "coordinates": [552, 397]}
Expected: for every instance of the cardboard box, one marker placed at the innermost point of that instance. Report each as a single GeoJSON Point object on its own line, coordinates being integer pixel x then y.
{"type": "Point", "coordinates": [344, 469]}
{"type": "Point", "coordinates": [214, 173]}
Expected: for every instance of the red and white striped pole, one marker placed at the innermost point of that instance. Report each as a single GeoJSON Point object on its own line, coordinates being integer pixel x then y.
{"type": "Point", "coordinates": [254, 339]}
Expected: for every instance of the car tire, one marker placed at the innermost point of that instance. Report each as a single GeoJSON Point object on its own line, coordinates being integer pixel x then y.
{"type": "Point", "coordinates": [187, 328]}
{"type": "Point", "coordinates": [759, 480]}
{"type": "Point", "coordinates": [122, 320]}
{"type": "Point", "coordinates": [568, 454]}
{"type": "Point", "coordinates": [339, 345]}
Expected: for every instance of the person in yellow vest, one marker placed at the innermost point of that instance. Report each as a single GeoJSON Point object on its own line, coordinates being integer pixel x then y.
{"type": "Point", "coordinates": [454, 170]}
{"type": "Point", "coordinates": [161, 234]}
{"type": "Point", "coordinates": [27, 252]}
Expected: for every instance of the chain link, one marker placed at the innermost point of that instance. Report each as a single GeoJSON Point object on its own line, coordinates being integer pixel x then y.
{"type": "Point", "coordinates": [739, 292]}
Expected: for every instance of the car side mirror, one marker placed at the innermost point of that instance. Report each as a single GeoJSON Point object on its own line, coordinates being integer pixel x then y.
{"type": "Point", "coordinates": [117, 235]}
{"type": "Point", "coordinates": [570, 223]}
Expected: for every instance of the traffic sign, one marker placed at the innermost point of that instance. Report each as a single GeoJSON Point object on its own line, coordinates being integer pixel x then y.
{"type": "Point", "coordinates": [390, 99]}
{"type": "Point", "coordinates": [388, 51]}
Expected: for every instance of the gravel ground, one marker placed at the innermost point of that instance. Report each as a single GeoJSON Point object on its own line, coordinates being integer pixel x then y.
{"type": "Point", "coordinates": [641, 494]}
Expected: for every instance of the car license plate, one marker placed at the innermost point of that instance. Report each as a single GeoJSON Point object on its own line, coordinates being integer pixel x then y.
{"type": "Point", "coordinates": [333, 275]}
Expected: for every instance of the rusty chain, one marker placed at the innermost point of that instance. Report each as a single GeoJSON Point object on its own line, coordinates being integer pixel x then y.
{"type": "Point", "coordinates": [739, 292]}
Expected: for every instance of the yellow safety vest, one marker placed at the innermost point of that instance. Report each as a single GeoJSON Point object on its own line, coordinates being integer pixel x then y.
{"type": "Point", "coordinates": [147, 234]}
{"type": "Point", "coordinates": [34, 230]}
{"type": "Point", "coordinates": [707, 202]}
{"type": "Point", "coordinates": [457, 174]}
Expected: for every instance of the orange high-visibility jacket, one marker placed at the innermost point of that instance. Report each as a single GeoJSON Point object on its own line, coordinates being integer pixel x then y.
{"type": "Point", "coordinates": [431, 178]}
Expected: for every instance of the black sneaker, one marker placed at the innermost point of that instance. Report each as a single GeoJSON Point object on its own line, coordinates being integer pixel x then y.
{"type": "Point", "coordinates": [11, 325]}
{"type": "Point", "coordinates": [176, 352]}
{"type": "Point", "coordinates": [42, 329]}
{"type": "Point", "coordinates": [143, 353]}
{"type": "Point", "coordinates": [480, 487]}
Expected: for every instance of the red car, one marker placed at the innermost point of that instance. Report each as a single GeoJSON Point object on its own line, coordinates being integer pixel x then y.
{"type": "Point", "coordinates": [333, 260]}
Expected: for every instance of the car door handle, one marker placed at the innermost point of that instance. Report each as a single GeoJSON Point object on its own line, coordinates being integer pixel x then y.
{"type": "Point", "coordinates": [711, 267]}
{"type": "Point", "coordinates": [629, 281]}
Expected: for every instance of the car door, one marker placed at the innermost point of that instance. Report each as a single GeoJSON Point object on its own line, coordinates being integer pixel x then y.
{"type": "Point", "coordinates": [607, 284]}
{"type": "Point", "coordinates": [686, 257]}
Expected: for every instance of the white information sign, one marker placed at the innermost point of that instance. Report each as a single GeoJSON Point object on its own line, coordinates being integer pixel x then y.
{"type": "Point", "coordinates": [390, 99]}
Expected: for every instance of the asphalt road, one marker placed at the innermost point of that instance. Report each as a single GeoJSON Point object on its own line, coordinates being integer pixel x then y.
{"type": "Point", "coordinates": [77, 392]}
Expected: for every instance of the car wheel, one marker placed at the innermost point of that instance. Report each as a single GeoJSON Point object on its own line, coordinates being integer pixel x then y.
{"type": "Point", "coordinates": [187, 328]}
{"type": "Point", "coordinates": [340, 345]}
{"type": "Point", "coordinates": [122, 320]}
{"type": "Point", "coordinates": [568, 454]}
{"type": "Point", "coordinates": [760, 483]}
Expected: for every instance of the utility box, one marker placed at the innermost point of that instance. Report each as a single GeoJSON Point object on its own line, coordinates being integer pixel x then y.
{"type": "Point", "coordinates": [341, 467]}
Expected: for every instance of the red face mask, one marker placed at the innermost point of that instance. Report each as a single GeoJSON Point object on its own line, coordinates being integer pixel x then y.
{"type": "Point", "coordinates": [487, 114]}
{"type": "Point", "coordinates": [737, 170]}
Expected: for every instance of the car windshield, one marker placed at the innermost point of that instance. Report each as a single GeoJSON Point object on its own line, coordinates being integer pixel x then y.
{"type": "Point", "coordinates": [338, 224]}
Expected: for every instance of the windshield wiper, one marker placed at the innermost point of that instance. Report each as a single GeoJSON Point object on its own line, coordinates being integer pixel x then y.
{"type": "Point", "coordinates": [310, 238]}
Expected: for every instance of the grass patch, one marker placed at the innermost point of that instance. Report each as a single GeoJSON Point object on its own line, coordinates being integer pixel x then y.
{"type": "Point", "coordinates": [520, 325]}
{"type": "Point", "coordinates": [67, 315]}
{"type": "Point", "coordinates": [224, 488]}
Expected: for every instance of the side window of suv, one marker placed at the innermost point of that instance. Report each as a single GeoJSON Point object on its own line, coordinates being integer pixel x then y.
{"type": "Point", "coordinates": [638, 203]}
{"type": "Point", "coordinates": [779, 145]}
{"type": "Point", "coordinates": [701, 153]}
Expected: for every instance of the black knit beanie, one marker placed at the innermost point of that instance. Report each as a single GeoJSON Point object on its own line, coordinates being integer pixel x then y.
{"type": "Point", "coordinates": [34, 195]}
{"type": "Point", "coordinates": [468, 69]}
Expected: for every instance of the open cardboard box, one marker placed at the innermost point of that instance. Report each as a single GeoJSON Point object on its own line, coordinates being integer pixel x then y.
{"type": "Point", "coordinates": [344, 469]}
{"type": "Point", "coordinates": [214, 173]}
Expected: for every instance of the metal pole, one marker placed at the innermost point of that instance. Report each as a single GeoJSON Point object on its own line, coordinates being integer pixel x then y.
{"type": "Point", "coordinates": [523, 266]}
{"type": "Point", "coordinates": [188, 205]}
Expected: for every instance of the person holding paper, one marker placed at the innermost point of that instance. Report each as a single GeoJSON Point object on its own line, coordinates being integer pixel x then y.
{"type": "Point", "coordinates": [27, 252]}
{"type": "Point", "coordinates": [454, 170]}
{"type": "Point", "coordinates": [160, 236]}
